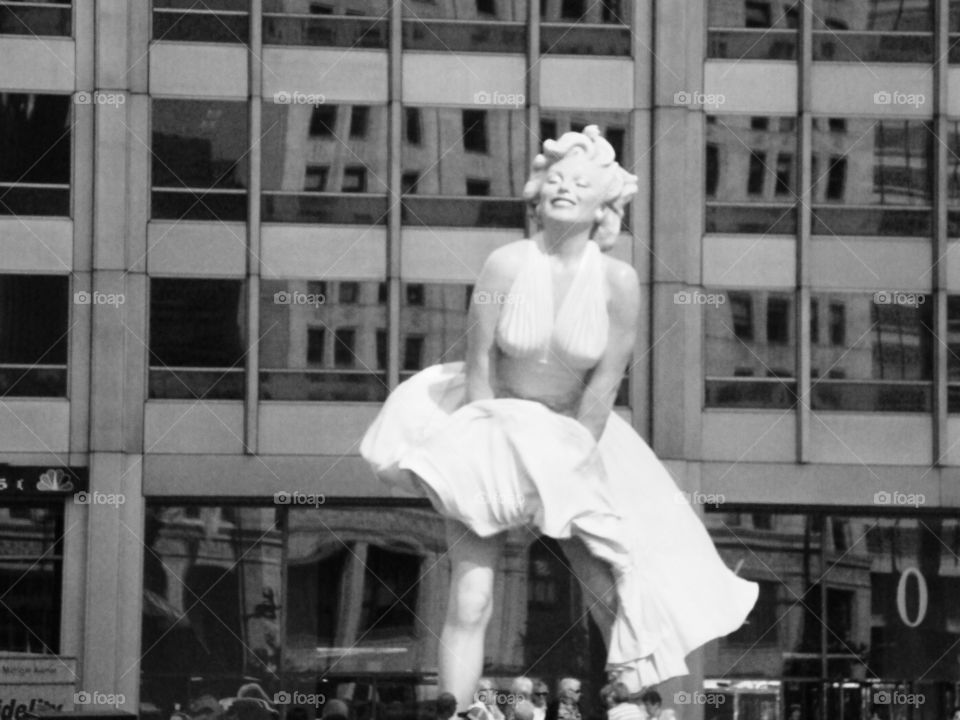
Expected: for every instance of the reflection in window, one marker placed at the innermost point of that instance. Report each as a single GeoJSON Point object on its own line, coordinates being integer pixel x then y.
{"type": "Point", "coordinates": [879, 358]}
{"type": "Point", "coordinates": [31, 574]}
{"type": "Point", "coordinates": [345, 23]}
{"type": "Point", "coordinates": [864, 31]}
{"type": "Point", "coordinates": [750, 360]}
{"type": "Point", "coordinates": [46, 17]}
{"type": "Point", "coordinates": [212, 594]}
{"type": "Point", "coordinates": [953, 353]}
{"type": "Point", "coordinates": [465, 151]}
{"type": "Point", "coordinates": [197, 345]}
{"type": "Point", "coordinates": [752, 30]}
{"type": "Point", "coordinates": [221, 21]}
{"type": "Point", "coordinates": [745, 194]}
{"type": "Point", "coordinates": [312, 154]}
{"type": "Point", "coordinates": [199, 158]}
{"type": "Point", "coordinates": [865, 163]}
{"type": "Point", "coordinates": [322, 340]}
{"type": "Point", "coordinates": [433, 314]}
{"type": "Point", "coordinates": [577, 27]}
{"type": "Point", "coordinates": [35, 162]}
{"type": "Point", "coordinates": [454, 25]}
{"type": "Point", "coordinates": [34, 316]}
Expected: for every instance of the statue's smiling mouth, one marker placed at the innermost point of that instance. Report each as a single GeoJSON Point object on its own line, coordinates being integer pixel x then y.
{"type": "Point", "coordinates": [564, 200]}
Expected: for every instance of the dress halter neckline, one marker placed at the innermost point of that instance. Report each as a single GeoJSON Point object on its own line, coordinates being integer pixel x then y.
{"type": "Point", "coordinates": [576, 333]}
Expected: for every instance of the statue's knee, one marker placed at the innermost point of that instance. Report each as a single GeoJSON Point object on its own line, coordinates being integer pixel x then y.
{"type": "Point", "coordinates": [473, 605]}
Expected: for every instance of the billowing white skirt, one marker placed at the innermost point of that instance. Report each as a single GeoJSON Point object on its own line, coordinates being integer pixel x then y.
{"type": "Point", "coordinates": [505, 463]}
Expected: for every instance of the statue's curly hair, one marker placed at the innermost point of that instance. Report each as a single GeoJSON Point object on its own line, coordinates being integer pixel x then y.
{"type": "Point", "coordinates": [622, 186]}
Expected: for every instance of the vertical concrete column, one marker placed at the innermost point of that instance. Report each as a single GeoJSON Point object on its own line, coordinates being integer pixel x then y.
{"type": "Point", "coordinates": [117, 322]}
{"type": "Point", "coordinates": [941, 440]}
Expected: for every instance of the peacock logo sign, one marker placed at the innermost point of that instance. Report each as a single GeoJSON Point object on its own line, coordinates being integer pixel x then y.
{"type": "Point", "coordinates": [54, 480]}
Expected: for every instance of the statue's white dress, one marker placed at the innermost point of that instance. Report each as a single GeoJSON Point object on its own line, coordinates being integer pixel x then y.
{"type": "Point", "coordinates": [508, 462]}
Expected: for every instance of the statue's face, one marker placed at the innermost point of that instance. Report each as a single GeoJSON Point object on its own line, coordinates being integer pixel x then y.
{"type": "Point", "coordinates": [573, 190]}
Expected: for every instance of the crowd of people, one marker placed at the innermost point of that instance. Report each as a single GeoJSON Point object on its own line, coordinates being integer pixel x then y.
{"type": "Point", "coordinates": [529, 699]}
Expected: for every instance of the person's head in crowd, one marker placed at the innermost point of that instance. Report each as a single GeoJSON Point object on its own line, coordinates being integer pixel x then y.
{"type": "Point", "coordinates": [297, 713]}
{"type": "Point", "coordinates": [487, 691]}
{"type": "Point", "coordinates": [955, 715]}
{"type": "Point", "coordinates": [205, 707]}
{"type": "Point", "coordinates": [796, 712]}
{"type": "Point", "coordinates": [569, 690]}
{"type": "Point", "coordinates": [652, 703]}
{"type": "Point", "coordinates": [521, 688]}
{"type": "Point", "coordinates": [253, 690]}
{"type": "Point", "coordinates": [335, 709]}
{"type": "Point", "coordinates": [446, 706]}
{"type": "Point", "coordinates": [523, 711]}
{"type": "Point", "coordinates": [541, 694]}
{"type": "Point", "coordinates": [614, 693]}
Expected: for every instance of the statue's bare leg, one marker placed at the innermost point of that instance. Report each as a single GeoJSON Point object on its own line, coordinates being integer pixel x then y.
{"type": "Point", "coordinates": [473, 562]}
{"type": "Point", "coordinates": [597, 584]}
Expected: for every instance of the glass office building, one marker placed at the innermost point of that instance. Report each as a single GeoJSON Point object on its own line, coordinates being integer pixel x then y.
{"type": "Point", "coordinates": [229, 227]}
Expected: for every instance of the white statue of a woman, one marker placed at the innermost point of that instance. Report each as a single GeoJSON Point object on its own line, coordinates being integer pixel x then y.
{"type": "Point", "coordinates": [523, 434]}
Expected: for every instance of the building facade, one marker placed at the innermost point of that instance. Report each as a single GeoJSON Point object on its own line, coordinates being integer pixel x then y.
{"type": "Point", "coordinates": [229, 227]}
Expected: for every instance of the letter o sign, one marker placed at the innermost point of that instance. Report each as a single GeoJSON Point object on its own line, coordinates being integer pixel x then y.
{"type": "Point", "coordinates": [922, 597]}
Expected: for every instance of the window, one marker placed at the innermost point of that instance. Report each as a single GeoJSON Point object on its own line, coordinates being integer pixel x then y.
{"type": "Point", "coordinates": [740, 151]}
{"type": "Point", "coordinates": [31, 573]}
{"type": "Point", "coordinates": [814, 321]}
{"type": "Point", "coordinates": [359, 121]}
{"type": "Point", "coordinates": [497, 26]}
{"type": "Point", "coordinates": [323, 121]}
{"type": "Point", "coordinates": [344, 348]}
{"type": "Point", "coordinates": [413, 129]}
{"type": "Point", "coordinates": [757, 172]}
{"type": "Point", "coordinates": [316, 337]}
{"type": "Point", "coordinates": [409, 181]}
{"type": "Point", "coordinates": [879, 358]}
{"type": "Point", "coordinates": [572, 9]}
{"type": "Point", "coordinates": [37, 19]}
{"type": "Point", "coordinates": [486, 7]}
{"type": "Point", "coordinates": [548, 130]}
{"type": "Point", "coordinates": [752, 30]}
{"type": "Point", "coordinates": [316, 177]}
{"type": "Point", "coordinates": [475, 131]}
{"type": "Point", "coordinates": [416, 294]}
{"type": "Point", "coordinates": [200, 159]}
{"type": "Point", "coordinates": [302, 157]}
{"type": "Point", "coordinates": [413, 352]}
{"type": "Point", "coordinates": [382, 293]}
{"type": "Point", "coordinates": [762, 624]}
{"type": "Point", "coordinates": [862, 32]}
{"type": "Point", "coordinates": [743, 368]}
{"type": "Point", "coordinates": [296, 22]}
{"type": "Point", "coordinates": [197, 338]}
{"type": "Point", "coordinates": [34, 316]}
{"type": "Point", "coordinates": [309, 335]}
{"type": "Point", "coordinates": [355, 179]}
{"type": "Point", "coordinates": [381, 349]}
{"type": "Point", "coordinates": [219, 21]}
{"type": "Point", "coordinates": [836, 178]}
{"type": "Point", "coordinates": [477, 187]}
{"type": "Point", "coordinates": [758, 14]}
{"type": "Point", "coordinates": [349, 293]}
{"type": "Point", "coordinates": [35, 165]}
{"type": "Point", "coordinates": [778, 320]}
